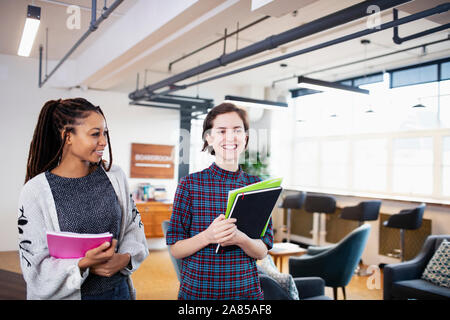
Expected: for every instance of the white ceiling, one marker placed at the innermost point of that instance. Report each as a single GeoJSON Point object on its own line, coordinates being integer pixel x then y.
{"type": "Point", "coordinates": [53, 17]}
{"type": "Point", "coordinates": [192, 29]}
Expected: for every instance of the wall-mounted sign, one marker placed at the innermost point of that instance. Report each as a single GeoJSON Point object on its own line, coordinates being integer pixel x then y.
{"type": "Point", "coordinates": [152, 161]}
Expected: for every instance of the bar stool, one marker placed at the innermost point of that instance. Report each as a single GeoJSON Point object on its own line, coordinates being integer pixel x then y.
{"type": "Point", "coordinates": [292, 201]}
{"type": "Point", "coordinates": [320, 206]}
{"type": "Point", "coordinates": [364, 211]}
{"type": "Point", "coordinates": [408, 219]}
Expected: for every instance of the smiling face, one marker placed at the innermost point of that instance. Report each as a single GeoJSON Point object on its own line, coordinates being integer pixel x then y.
{"type": "Point", "coordinates": [227, 137]}
{"type": "Point", "coordinates": [88, 139]}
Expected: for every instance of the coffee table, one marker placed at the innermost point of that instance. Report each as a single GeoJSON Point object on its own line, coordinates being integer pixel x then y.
{"type": "Point", "coordinates": [285, 249]}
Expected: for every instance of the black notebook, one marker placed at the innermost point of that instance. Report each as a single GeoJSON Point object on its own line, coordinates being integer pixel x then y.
{"type": "Point", "coordinates": [253, 210]}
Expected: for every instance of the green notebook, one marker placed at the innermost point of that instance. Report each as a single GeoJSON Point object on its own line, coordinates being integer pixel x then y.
{"type": "Point", "coordinates": [266, 184]}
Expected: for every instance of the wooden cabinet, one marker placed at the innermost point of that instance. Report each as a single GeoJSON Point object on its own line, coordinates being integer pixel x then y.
{"type": "Point", "coordinates": [153, 213]}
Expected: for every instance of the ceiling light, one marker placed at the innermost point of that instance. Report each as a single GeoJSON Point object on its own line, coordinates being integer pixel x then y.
{"type": "Point", "coordinates": [255, 103]}
{"type": "Point", "coordinates": [30, 30]}
{"type": "Point", "coordinates": [256, 4]}
{"type": "Point", "coordinates": [321, 85]}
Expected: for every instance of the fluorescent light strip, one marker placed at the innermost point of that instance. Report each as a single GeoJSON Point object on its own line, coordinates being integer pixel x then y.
{"type": "Point", "coordinates": [256, 4]}
{"type": "Point", "coordinates": [255, 103]}
{"type": "Point", "coordinates": [320, 85]}
{"type": "Point", "coordinates": [28, 36]}
{"type": "Point", "coordinates": [29, 31]}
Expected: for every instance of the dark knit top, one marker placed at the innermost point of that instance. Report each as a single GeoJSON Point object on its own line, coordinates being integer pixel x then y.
{"type": "Point", "coordinates": [88, 205]}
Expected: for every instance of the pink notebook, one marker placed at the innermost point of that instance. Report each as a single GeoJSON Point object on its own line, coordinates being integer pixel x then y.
{"type": "Point", "coordinates": [68, 245]}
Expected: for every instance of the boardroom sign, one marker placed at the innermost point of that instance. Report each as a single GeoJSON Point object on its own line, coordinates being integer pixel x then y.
{"type": "Point", "coordinates": [152, 161]}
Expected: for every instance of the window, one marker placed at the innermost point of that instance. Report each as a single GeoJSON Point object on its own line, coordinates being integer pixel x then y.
{"type": "Point", "coordinates": [445, 71]}
{"type": "Point", "coordinates": [334, 164]}
{"type": "Point", "coordinates": [406, 115]}
{"type": "Point", "coordinates": [410, 76]}
{"type": "Point", "coordinates": [413, 166]}
{"type": "Point", "coordinates": [198, 160]}
{"type": "Point", "coordinates": [446, 166]}
{"type": "Point", "coordinates": [382, 143]}
{"type": "Point", "coordinates": [370, 165]}
{"type": "Point", "coordinates": [306, 163]}
{"type": "Point", "coordinates": [444, 104]}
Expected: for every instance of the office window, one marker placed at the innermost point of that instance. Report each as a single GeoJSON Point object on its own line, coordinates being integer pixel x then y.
{"type": "Point", "coordinates": [306, 163]}
{"type": "Point", "coordinates": [444, 104]}
{"type": "Point", "coordinates": [446, 166]}
{"type": "Point", "coordinates": [324, 114]}
{"type": "Point", "coordinates": [403, 110]}
{"type": "Point", "coordinates": [308, 115]}
{"type": "Point", "coordinates": [198, 160]}
{"type": "Point", "coordinates": [372, 78]}
{"type": "Point", "coordinates": [370, 165]}
{"type": "Point", "coordinates": [334, 164]}
{"type": "Point", "coordinates": [411, 76]}
{"type": "Point", "coordinates": [413, 166]}
{"type": "Point", "coordinates": [445, 71]}
{"type": "Point", "coordinates": [336, 117]}
{"type": "Point", "coordinates": [386, 150]}
{"type": "Point", "coordinates": [372, 113]}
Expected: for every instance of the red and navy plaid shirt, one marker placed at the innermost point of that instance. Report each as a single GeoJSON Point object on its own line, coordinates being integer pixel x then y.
{"type": "Point", "coordinates": [231, 273]}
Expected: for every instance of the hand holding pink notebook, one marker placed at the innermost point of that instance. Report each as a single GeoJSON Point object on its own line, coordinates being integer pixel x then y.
{"type": "Point", "coordinates": [68, 245]}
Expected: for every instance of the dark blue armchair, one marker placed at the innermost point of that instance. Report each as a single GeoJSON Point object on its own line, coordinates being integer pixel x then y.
{"type": "Point", "coordinates": [335, 264]}
{"type": "Point", "coordinates": [403, 280]}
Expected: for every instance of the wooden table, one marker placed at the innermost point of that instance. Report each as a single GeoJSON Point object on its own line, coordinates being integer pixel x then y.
{"type": "Point", "coordinates": [284, 249]}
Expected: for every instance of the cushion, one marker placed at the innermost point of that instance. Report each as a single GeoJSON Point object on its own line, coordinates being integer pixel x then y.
{"type": "Point", "coordinates": [266, 266]}
{"type": "Point", "coordinates": [437, 270]}
{"type": "Point", "coordinates": [419, 289]}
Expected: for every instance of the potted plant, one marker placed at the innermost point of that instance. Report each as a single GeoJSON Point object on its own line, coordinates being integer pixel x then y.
{"type": "Point", "coordinates": [256, 164]}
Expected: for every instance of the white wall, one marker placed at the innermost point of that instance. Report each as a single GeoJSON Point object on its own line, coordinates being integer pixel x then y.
{"type": "Point", "coordinates": [21, 101]}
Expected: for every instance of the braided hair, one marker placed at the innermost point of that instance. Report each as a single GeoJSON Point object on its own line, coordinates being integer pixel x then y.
{"type": "Point", "coordinates": [56, 117]}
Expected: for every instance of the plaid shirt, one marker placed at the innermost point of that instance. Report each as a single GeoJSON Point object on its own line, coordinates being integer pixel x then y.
{"type": "Point", "coordinates": [230, 274]}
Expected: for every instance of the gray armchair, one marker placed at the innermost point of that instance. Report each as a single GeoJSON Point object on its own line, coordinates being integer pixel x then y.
{"type": "Point", "coordinates": [309, 288]}
{"type": "Point", "coordinates": [403, 280]}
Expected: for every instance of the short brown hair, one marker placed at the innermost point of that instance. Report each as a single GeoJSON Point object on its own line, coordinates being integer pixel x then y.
{"type": "Point", "coordinates": [218, 110]}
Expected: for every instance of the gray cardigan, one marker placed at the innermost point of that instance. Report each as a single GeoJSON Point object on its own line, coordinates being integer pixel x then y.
{"type": "Point", "coordinates": [50, 278]}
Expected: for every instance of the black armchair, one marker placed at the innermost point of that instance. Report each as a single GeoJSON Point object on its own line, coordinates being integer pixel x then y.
{"type": "Point", "coordinates": [309, 288]}
{"type": "Point", "coordinates": [403, 280]}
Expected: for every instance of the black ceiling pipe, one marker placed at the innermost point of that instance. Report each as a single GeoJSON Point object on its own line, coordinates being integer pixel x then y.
{"type": "Point", "coordinates": [346, 15]}
{"type": "Point", "coordinates": [217, 41]}
{"type": "Point", "coordinates": [399, 40]}
{"type": "Point", "coordinates": [413, 17]}
{"type": "Point", "coordinates": [92, 27]}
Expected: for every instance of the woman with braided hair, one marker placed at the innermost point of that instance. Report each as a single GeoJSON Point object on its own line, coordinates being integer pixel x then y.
{"type": "Point", "coordinates": [68, 187]}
